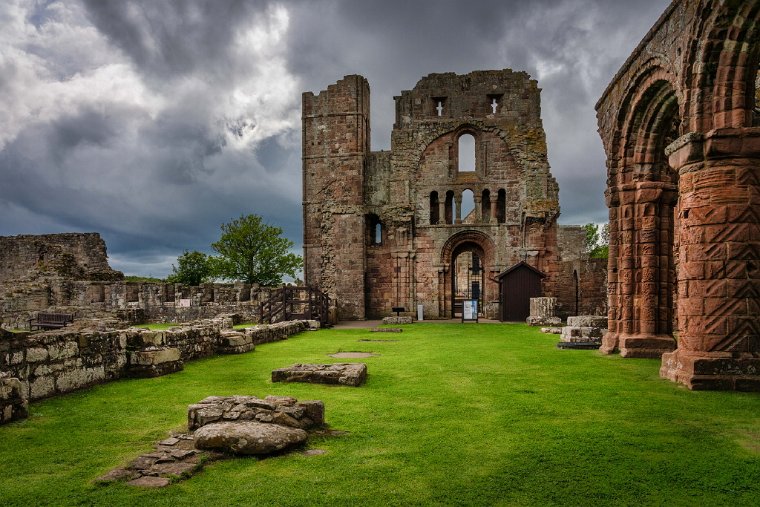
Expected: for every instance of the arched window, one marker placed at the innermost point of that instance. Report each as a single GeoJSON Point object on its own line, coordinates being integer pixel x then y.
{"type": "Point", "coordinates": [468, 207]}
{"type": "Point", "coordinates": [434, 208]}
{"type": "Point", "coordinates": [466, 153]}
{"type": "Point", "coordinates": [485, 206]}
{"type": "Point", "coordinates": [501, 206]}
{"type": "Point", "coordinates": [374, 230]}
{"type": "Point", "coordinates": [450, 205]}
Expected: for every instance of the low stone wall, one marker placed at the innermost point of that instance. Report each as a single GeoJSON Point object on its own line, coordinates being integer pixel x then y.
{"type": "Point", "coordinates": [57, 362]}
{"type": "Point", "coordinates": [134, 302]}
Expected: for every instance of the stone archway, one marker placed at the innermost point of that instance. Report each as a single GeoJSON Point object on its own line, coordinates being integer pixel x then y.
{"type": "Point", "coordinates": [458, 277]}
{"type": "Point", "coordinates": [698, 85]}
{"type": "Point", "coordinates": [642, 198]}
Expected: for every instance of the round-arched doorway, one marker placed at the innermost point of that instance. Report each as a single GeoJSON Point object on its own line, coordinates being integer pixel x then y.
{"type": "Point", "coordinates": [468, 257]}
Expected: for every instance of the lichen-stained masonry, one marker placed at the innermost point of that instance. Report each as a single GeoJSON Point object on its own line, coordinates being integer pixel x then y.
{"type": "Point", "coordinates": [394, 229]}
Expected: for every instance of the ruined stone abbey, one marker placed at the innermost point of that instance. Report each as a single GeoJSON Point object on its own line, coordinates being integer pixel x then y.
{"type": "Point", "coordinates": [463, 201]}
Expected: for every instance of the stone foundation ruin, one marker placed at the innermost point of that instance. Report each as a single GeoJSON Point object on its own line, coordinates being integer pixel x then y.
{"type": "Point", "coordinates": [57, 362]}
{"type": "Point", "coordinates": [221, 427]}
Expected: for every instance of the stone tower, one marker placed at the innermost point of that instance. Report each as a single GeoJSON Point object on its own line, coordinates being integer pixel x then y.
{"type": "Point", "coordinates": [336, 146]}
{"type": "Point", "coordinates": [464, 195]}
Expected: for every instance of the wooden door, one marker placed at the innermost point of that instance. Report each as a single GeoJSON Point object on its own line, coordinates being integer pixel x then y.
{"type": "Point", "coordinates": [518, 286]}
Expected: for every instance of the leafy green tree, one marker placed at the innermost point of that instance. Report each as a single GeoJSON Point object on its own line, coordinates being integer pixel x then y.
{"type": "Point", "coordinates": [597, 241]}
{"type": "Point", "coordinates": [254, 252]}
{"type": "Point", "coordinates": [193, 268]}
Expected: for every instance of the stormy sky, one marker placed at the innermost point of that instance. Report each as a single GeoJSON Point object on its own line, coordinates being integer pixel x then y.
{"type": "Point", "coordinates": [153, 122]}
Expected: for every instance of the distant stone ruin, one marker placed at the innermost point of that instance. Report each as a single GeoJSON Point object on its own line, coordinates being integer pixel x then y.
{"type": "Point", "coordinates": [73, 256]}
{"type": "Point", "coordinates": [543, 312]}
{"type": "Point", "coordinates": [583, 331]}
{"type": "Point", "coordinates": [465, 193]}
{"type": "Point", "coordinates": [69, 273]}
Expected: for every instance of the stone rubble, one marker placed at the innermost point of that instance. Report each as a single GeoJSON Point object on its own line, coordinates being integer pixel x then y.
{"type": "Point", "coordinates": [220, 427]}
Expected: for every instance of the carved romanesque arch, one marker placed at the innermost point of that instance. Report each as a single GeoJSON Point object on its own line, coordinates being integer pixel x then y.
{"type": "Point", "coordinates": [678, 128]}
{"type": "Point", "coordinates": [723, 57]}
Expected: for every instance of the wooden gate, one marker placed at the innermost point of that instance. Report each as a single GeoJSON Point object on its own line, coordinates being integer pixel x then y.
{"type": "Point", "coordinates": [516, 286]}
{"type": "Point", "coordinates": [294, 303]}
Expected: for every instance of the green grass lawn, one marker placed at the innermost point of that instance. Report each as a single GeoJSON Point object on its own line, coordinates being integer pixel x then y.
{"type": "Point", "coordinates": [475, 414]}
{"type": "Point", "coordinates": [157, 326]}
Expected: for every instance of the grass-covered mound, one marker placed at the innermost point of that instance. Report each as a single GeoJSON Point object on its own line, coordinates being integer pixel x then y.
{"type": "Point", "coordinates": [475, 414]}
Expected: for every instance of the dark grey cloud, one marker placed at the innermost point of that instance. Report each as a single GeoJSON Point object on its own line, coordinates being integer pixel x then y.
{"type": "Point", "coordinates": [153, 122]}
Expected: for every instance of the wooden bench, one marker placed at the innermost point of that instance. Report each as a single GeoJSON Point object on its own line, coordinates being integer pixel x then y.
{"type": "Point", "coordinates": [46, 320]}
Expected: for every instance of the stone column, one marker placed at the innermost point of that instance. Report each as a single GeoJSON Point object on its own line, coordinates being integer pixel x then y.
{"type": "Point", "coordinates": [458, 202]}
{"type": "Point", "coordinates": [719, 261]}
{"type": "Point", "coordinates": [478, 209]}
{"type": "Point", "coordinates": [493, 210]}
{"type": "Point", "coordinates": [622, 267]}
{"type": "Point", "coordinates": [645, 339]}
{"type": "Point", "coordinates": [610, 339]}
{"type": "Point", "coordinates": [442, 208]}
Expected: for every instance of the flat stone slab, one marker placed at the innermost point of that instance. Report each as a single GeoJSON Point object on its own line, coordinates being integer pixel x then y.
{"type": "Point", "coordinates": [314, 452]}
{"type": "Point", "coordinates": [551, 330]}
{"type": "Point", "coordinates": [248, 437]}
{"type": "Point", "coordinates": [353, 355]}
{"type": "Point", "coordinates": [386, 330]}
{"type": "Point", "coordinates": [172, 459]}
{"type": "Point", "coordinates": [147, 481]}
{"type": "Point", "coordinates": [225, 426]}
{"type": "Point", "coordinates": [348, 374]}
{"type": "Point", "coordinates": [398, 320]}
{"type": "Point", "coordinates": [376, 341]}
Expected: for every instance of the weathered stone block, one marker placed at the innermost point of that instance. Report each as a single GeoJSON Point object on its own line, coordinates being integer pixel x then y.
{"type": "Point", "coordinates": [233, 342]}
{"type": "Point", "coordinates": [350, 374]}
{"type": "Point", "coordinates": [248, 437]}
{"type": "Point", "coordinates": [13, 402]}
{"type": "Point", "coordinates": [36, 355]}
{"type": "Point", "coordinates": [154, 362]}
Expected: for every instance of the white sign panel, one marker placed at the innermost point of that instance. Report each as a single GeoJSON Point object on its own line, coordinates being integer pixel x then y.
{"type": "Point", "coordinates": [470, 309]}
